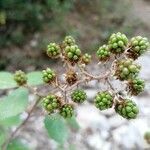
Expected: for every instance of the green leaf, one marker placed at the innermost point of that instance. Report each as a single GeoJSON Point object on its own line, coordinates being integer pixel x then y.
{"type": "Point", "coordinates": [72, 147]}
{"type": "Point", "coordinates": [14, 104]}
{"type": "Point", "coordinates": [2, 136]}
{"type": "Point", "coordinates": [7, 81]}
{"type": "Point", "coordinates": [72, 122]}
{"type": "Point", "coordinates": [17, 145]}
{"type": "Point", "coordinates": [15, 120]}
{"type": "Point", "coordinates": [56, 128]}
{"type": "Point", "coordinates": [35, 78]}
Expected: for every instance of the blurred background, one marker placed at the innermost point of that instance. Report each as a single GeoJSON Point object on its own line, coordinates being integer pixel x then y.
{"type": "Point", "coordinates": [27, 26]}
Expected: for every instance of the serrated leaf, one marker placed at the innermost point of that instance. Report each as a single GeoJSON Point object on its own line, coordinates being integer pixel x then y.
{"type": "Point", "coordinates": [13, 104]}
{"type": "Point", "coordinates": [35, 78]}
{"type": "Point", "coordinates": [72, 122]}
{"type": "Point", "coordinates": [7, 81]}
{"type": "Point", "coordinates": [15, 120]}
{"type": "Point", "coordinates": [17, 145]}
{"type": "Point", "coordinates": [56, 128]}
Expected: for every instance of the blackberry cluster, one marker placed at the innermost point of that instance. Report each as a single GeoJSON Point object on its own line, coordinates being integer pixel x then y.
{"type": "Point", "coordinates": [138, 46]}
{"type": "Point", "coordinates": [86, 58]}
{"type": "Point", "coordinates": [117, 43]}
{"type": "Point", "coordinates": [136, 86]}
{"type": "Point", "coordinates": [73, 53]}
{"type": "Point", "coordinates": [126, 69]}
{"type": "Point", "coordinates": [147, 137]}
{"type": "Point", "coordinates": [69, 40]}
{"type": "Point", "coordinates": [71, 77]}
{"type": "Point", "coordinates": [53, 50]}
{"type": "Point", "coordinates": [78, 96]}
{"type": "Point", "coordinates": [51, 103]}
{"type": "Point", "coordinates": [48, 75]}
{"type": "Point", "coordinates": [67, 111]}
{"type": "Point", "coordinates": [127, 109]}
{"type": "Point", "coordinates": [103, 53]}
{"type": "Point", "coordinates": [20, 77]}
{"type": "Point", "coordinates": [103, 100]}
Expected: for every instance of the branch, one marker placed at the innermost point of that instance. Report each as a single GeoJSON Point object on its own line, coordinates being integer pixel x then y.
{"type": "Point", "coordinates": [12, 135]}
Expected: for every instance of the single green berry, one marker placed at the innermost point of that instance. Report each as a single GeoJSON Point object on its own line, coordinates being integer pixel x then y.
{"type": "Point", "coordinates": [136, 86]}
{"type": "Point", "coordinates": [48, 75]}
{"type": "Point", "coordinates": [103, 100]}
{"type": "Point", "coordinates": [86, 58]}
{"type": "Point", "coordinates": [138, 45]}
{"type": "Point", "coordinates": [78, 96]}
{"type": "Point", "coordinates": [103, 53]}
{"type": "Point", "coordinates": [67, 111]}
{"type": "Point", "coordinates": [147, 137]}
{"type": "Point", "coordinates": [53, 50]}
{"type": "Point", "coordinates": [117, 43]}
{"type": "Point", "coordinates": [51, 103]}
{"type": "Point", "coordinates": [73, 53]}
{"type": "Point", "coordinates": [20, 77]}
{"type": "Point", "coordinates": [69, 40]}
{"type": "Point", "coordinates": [127, 109]}
{"type": "Point", "coordinates": [126, 69]}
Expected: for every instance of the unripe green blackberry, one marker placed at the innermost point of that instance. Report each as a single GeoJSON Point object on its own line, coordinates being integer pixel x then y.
{"type": "Point", "coordinates": [126, 69]}
{"type": "Point", "coordinates": [127, 109]}
{"type": "Point", "coordinates": [48, 75]}
{"type": "Point", "coordinates": [103, 53]}
{"type": "Point", "coordinates": [53, 50]}
{"type": "Point", "coordinates": [136, 86]}
{"type": "Point", "coordinates": [117, 43]}
{"type": "Point", "coordinates": [51, 103]}
{"type": "Point", "coordinates": [73, 53]}
{"type": "Point", "coordinates": [67, 111]}
{"type": "Point", "coordinates": [69, 40]}
{"type": "Point", "coordinates": [103, 100]}
{"type": "Point", "coordinates": [71, 77]}
{"type": "Point", "coordinates": [138, 45]}
{"type": "Point", "coordinates": [78, 96]}
{"type": "Point", "coordinates": [147, 137]}
{"type": "Point", "coordinates": [86, 58]}
{"type": "Point", "coordinates": [20, 77]}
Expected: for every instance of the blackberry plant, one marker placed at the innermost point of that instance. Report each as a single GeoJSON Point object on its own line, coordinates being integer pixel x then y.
{"type": "Point", "coordinates": [67, 111]}
{"type": "Point", "coordinates": [20, 77]}
{"type": "Point", "coordinates": [66, 92]}
{"type": "Point", "coordinates": [48, 75]}
{"type": "Point", "coordinates": [136, 86]}
{"type": "Point", "coordinates": [69, 40]}
{"type": "Point", "coordinates": [127, 109]}
{"type": "Point", "coordinates": [51, 103]}
{"type": "Point", "coordinates": [138, 45]}
{"type": "Point", "coordinates": [53, 50]}
{"type": "Point", "coordinates": [126, 69]}
{"type": "Point", "coordinates": [103, 53]}
{"type": "Point", "coordinates": [147, 137]}
{"type": "Point", "coordinates": [86, 58]}
{"type": "Point", "coordinates": [104, 100]}
{"type": "Point", "coordinates": [73, 53]}
{"type": "Point", "coordinates": [78, 96]}
{"type": "Point", "coordinates": [117, 43]}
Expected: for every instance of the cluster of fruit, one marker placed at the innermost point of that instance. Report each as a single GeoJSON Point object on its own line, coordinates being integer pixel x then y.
{"type": "Point", "coordinates": [118, 43]}
{"type": "Point", "coordinates": [53, 103]}
{"type": "Point", "coordinates": [124, 68]}
{"type": "Point", "coordinates": [70, 50]}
